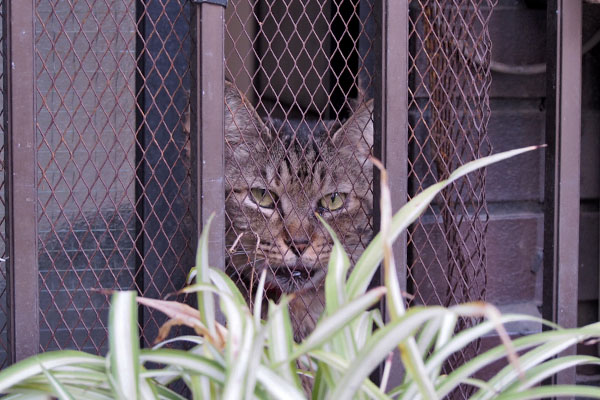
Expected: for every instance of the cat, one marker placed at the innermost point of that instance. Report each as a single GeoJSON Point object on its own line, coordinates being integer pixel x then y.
{"type": "Point", "coordinates": [279, 176]}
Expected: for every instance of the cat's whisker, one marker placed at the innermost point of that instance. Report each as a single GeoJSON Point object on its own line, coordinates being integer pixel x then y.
{"type": "Point", "coordinates": [257, 243]}
{"type": "Point", "coordinates": [233, 246]}
{"type": "Point", "coordinates": [251, 287]}
{"type": "Point", "coordinates": [239, 237]}
{"type": "Point", "coordinates": [238, 253]}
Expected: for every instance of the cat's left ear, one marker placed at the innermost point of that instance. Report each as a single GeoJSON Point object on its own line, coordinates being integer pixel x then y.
{"type": "Point", "coordinates": [356, 134]}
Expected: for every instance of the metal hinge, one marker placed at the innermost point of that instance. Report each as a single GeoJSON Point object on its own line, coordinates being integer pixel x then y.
{"type": "Point", "coordinates": [218, 2]}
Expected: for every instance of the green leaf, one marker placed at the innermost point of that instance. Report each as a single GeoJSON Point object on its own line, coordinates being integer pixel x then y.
{"type": "Point", "coordinates": [362, 328]}
{"type": "Point", "coordinates": [554, 391]}
{"type": "Point", "coordinates": [325, 372]}
{"type": "Point", "coordinates": [236, 316]}
{"type": "Point", "coordinates": [337, 269]}
{"type": "Point", "coordinates": [73, 375]}
{"type": "Point", "coordinates": [409, 351]}
{"type": "Point", "coordinates": [148, 390]}
{"type": "Point", "coordinates": [192, 363]}
{"type": "Point", "coordinates": [258, 299]}
{"type": "Point", "coordinates": [530, 359]}
{"type": "Point", "coordinates": [335, 291]}
{"type": "Point", "coordinates": [226, 285]}
{"type": "Point", "coordinates": [331, 324]}
{"type": "Point", "coordinates": [255, 359]}
{"type": "Point", "coordinates": [369, 261]}
{"type": "Point", "coordinates": [394, 300]}
{"type": "Point", "coordinates": [411, 358]}
{"type": "Point", "coordinates": [319, 388]}
{"type": "Point", "coordinates": [196, 387]}
{"type": "Point", "coordinates": [186, 338]}
{"type": "Point", "coordinates": [201, 387]}
{"type": "Point", "coordinates": [206, 301]}
{"type": "Point", "coordinates": [520, 344]}
{"type": "Point", "coordinates": [238, 360]}
{"type": "Point", "coordinates": [457, 342]}
{"type": "Point", "coordinates": [427, 336]}
{"type": "Point", "coordinates": [478, 383]}
{"type": "Point", "coordinates": [41, 391]}
{"type": "Point", "coordinates": [32, 366]}
{"type": "Point", "coordinates": [281, 341]}
{"type": "Point", "coordinates": [537, 374]}
{"type": "Point", "coordinates": [330, 360]}
{"type": "Point", "coordinates": [168, 394]}
{"type": "Point", "coordinates": [278, 387]}
{"type": "Point", "coordinates": [61, 392]}
{"type": "Point", "coordinates": [380, 345]}
{"type": "Point", "coordinates": [124, 344]}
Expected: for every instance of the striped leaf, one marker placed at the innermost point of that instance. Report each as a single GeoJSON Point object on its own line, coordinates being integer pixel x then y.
{"type": "Point", "coordinates": [124, 344]}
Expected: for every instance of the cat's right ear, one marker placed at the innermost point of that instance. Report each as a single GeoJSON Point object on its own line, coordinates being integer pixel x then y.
{"type": "Point", "coordinates": [241, 119]}
{"type": "Point", "coordinates": [355, 136]}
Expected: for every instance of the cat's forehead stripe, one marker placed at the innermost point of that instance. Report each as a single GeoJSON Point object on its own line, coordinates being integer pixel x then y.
{"type": "Point", "coordinates": [303, 131]}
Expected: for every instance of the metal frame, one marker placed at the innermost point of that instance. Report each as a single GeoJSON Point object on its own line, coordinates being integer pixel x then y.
{"type": "Point", "coordinates": [391, 129]}
{"type": "Point", "coordinates": [391, 114]}
{"type": "Point", "coordinates": [563, 136]}
{"type": "Point", "coordinates": [207, 149]}
{"type": "Point", "coordinates": [22, 187]}
{"type": "Point", "coordinates": [391, 146]}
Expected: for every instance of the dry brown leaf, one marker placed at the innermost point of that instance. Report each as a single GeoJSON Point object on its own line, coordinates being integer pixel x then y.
{"type": "Point", "coordinates": [182, 314]}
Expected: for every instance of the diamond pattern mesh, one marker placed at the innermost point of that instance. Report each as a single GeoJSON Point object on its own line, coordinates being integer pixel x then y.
{"type": "Point", "coordinates": [305, 84]}
{"type": "Point", "coordinates": [113, 179]}
{"type": "Point", "coordinates": [296, 61]}
{"type": "Point", "coordinates": [449, 111]}
{"type": "Point", "coordinates": [112, 79]}
{"type": "Point", "coordinates": [4, 311]}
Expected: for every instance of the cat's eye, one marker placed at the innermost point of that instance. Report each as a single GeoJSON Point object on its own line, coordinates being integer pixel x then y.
{"type": "Point", "coordinates": [333, 201]}
{"type": "Point", "coordinates": [263, 197]}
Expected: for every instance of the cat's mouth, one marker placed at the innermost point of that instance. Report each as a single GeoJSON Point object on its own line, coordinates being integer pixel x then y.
{"type": "Point", "coordinates": [279, 279]}
{"type": "Point", "coordinates": [299, 278]}
{"type": "Point", "coordinates": [296, 279]}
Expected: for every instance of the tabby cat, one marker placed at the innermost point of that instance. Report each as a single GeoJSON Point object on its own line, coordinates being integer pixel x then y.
{"type": "Point", "coordinates": [279, 176]}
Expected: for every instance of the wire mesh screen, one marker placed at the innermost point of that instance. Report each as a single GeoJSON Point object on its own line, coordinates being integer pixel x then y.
{"type": "Point", "coordinates": [113, 181]}
{"type": "Point", "coordinates": [4, 310]}
{"type": "Point", "coordinates": [449, 111]}
{"type": "Point", "coordinates": [113, 80]}
{"type": "Point", "coordinates": [298, 130]}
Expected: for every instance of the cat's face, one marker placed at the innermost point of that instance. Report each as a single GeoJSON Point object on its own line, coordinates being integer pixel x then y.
{"type": "Point", "coordinates": [279, 176]}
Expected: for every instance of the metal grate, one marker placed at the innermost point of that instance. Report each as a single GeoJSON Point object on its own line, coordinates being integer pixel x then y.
{"type": "Point", "coordinates": [299, 61]}
{"type": "Point", "coordinates": [113, 82]}
{"type": "Point", "coordinates": [449, 112]}
{"type": "Point", "coordinates": [4, 310]}
{"type": "Point", "coordinates": [298, 134]}
{"type": "Point", "coordinates": [113, 177]}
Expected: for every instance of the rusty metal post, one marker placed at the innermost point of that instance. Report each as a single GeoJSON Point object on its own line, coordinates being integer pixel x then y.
{"type": "Point", "coordinates": [21, 193]}
{"type": "Point", "coordinates": [208, 123]}
{"type": "Point", "coordinates": [391, 122]}
{"type": "Point", "coordinates": [391, 112]}
{"type": "Point", "coordinates": [563, 136]}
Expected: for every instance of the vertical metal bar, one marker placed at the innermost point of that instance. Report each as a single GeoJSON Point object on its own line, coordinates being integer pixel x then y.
{"type": "Point", "coordinates": [21, 193]}
{"type": "Point", "coordinates": [391, 123]}
{"type": "Point", "coordinates": [391, 112]}
{"type": "Point", "coordinates": [209, 120]}
{"type": "Point", "coordinates": [563, 135]}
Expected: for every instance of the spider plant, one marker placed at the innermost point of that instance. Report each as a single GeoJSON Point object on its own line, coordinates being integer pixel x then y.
{"type": "Point", "coordinates": [251, 357]}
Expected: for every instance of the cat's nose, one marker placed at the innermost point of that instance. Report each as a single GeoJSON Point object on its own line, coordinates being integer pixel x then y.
{"type": "Point", "coordinates": [298, 246]}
